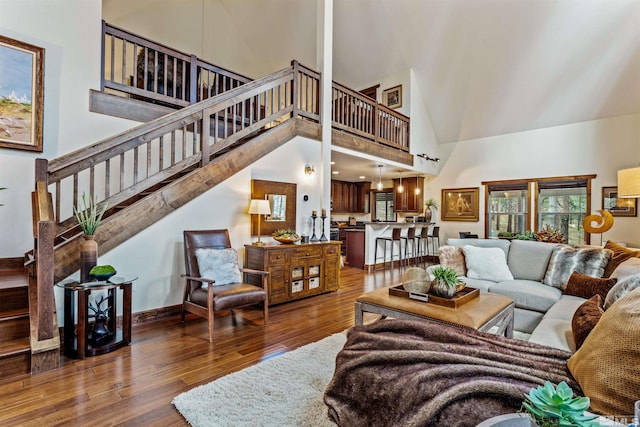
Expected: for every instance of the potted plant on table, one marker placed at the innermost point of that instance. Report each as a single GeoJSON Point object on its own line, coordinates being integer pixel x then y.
{"type": "Point", "coordinates": [429, 206]}
{"type": "Point", "coordinates": [88, 218]}
{"type": "Point", "coordinates": [446, 282]}
{"type": "Point", "coordinates": [555, 406]}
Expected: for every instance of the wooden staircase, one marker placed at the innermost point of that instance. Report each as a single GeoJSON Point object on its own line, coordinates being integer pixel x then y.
{"type": "Point", "coordinates": [15, 350]}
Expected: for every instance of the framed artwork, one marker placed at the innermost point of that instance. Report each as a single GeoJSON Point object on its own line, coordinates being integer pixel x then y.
{"type": "Point", "coordinates": [392, 97]}
{"type": "Point", "coordinates": [618, 206]}
{"type": "Point", "coordinates": [21, 95]}
{"type": "Point", "coordinates": [460, 204]}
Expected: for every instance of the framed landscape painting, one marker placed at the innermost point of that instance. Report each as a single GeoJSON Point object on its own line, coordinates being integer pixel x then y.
{"type": "Point", "coordinates": [618, 206]}
{"type": "Point", "coordinates": [461, 204]}
{"type": "Point", "coordinates": [21, 95]}
{"type": "Point", "coordinates": [392, 97]}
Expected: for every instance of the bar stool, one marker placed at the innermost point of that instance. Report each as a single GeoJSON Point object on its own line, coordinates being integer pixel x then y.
{"type": "Point", "coordinates": [395, 237]}
{"type": "Point", "coordinates": [411, 236]}
{"type": "Point", "coordinates": [435, 235]}
{"type": "Point", "coordinates": [423, 242]}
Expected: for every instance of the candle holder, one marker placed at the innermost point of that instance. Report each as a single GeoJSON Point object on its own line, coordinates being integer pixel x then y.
{"type": "Point", "coordinates": [314, 238]}
{"type": "Point", "coordinates": [323, 238]}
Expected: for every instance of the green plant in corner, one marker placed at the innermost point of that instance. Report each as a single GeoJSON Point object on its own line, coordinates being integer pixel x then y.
{"type": "Point", "coordinates": [89, 217]}
{"type": "Point", "coordinates": [555, 406]}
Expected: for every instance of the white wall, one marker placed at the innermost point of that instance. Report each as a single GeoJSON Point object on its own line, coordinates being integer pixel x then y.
{"type": "Point", "coordinates": [596, 147]}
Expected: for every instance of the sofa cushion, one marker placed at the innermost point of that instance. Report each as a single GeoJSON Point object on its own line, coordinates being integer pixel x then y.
{"type": "Point", "coordinates": [619, 255]}
{"type": "Point", "coordinates": [621, 288]}
{"type": "Point", "coordinates": [565, 260]}
{"type": "Point", "coordinates": [528, 294]}
{"type": "Point", "coordinates": [452, 256]}
{"type": "Point", "coordinates": [554, 333]}
{"type": "Point", "coordinates": [585, 319]}
{"type": "Point", "coordinates": [482, 243]}
{"type": "Point", "coordinates": [625, 269]}
{"type": "Point", "coordinates": [528, 259]}
{"type": "Point", "coordinates": [606, 366]}
{"type": "Point", "coordinates": [483, 285]}
{"type": "Point", "coordinates": [581, 285]}
{"type": "Point", "coordinates": [564, 308]}
{"type": "Point", "coordinates": [486, 263]}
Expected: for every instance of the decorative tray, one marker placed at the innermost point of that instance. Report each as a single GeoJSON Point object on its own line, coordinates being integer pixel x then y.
{"type": "Point", "coordinates": [462, 297]}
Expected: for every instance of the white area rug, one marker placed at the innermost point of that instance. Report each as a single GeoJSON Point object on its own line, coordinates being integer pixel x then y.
{"type": "Point", "coordinates": [284, 391]}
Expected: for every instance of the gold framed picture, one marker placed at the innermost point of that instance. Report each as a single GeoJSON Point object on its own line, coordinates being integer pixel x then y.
{"type": "Point", "coordinates": [392, 97]}
{"type": "Point", "coordinates": [618, 206]}
{"type": "Point", "coordinates": [460, 204]}
{"type": "Point", "coordinates": [21, 95]}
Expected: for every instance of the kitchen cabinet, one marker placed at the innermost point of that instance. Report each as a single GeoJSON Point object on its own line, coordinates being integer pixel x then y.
{"type": "Point", "coordinates": [296, 271]}
{"type": "Point", "coordinates": [355, 248]}
{"type": "Point", "coordinates": [349, 197]}
{"type": "Point", "coordinates": [408, 200]}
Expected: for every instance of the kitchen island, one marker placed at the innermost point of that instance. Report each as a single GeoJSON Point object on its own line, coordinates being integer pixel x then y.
{"type": "Point", "coordinates": [374, 230]}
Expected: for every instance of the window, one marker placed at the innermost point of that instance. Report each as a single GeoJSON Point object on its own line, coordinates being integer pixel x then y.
{"type": "Point", "coordinates": [560, 203]}
{"type": "Point", "coordinates": [508, 208]}
{"type": "Point", "coordinates": [383, 209]}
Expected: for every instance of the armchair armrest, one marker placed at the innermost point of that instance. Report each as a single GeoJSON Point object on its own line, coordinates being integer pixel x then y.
{"type": "Point", "coordinates": [252, 271]}
{"type": "Point", "coordinates": [198, 279]}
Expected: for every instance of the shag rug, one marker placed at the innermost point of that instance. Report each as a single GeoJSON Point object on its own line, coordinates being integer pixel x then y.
{"type": "Point", "coordinates": [284, 391]}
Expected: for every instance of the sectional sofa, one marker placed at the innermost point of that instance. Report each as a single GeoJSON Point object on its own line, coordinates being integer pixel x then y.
{"type": "Point", "coordinates": [533, 274]}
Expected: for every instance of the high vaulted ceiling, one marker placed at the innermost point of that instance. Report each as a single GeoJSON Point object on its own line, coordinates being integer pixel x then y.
{"type": "Point", "coordinates": [483, 67]}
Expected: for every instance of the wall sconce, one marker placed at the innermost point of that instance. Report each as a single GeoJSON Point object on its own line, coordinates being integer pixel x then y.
{"type": "Point", "coordinates": [309, 170]}
{"type": "Point", "coordinates": [426, 157]}
{"type": "Point", "coordinates": [259, 207]}
{"type": "Point", "coordinates": [629, 182]}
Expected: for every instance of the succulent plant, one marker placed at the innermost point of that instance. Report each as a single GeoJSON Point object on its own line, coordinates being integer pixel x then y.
{"type": "Point", "coordinates": [447, 275]}
{"type": "Point", "coordinates": [527, 235]}
{"type": "Point", "coordinates": [555, 406]}
{"type": "Point", "coordinates": [89, 217]}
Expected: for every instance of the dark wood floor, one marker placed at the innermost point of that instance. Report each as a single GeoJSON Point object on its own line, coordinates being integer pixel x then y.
{"type": "Point", "coordinates": [135, 385]}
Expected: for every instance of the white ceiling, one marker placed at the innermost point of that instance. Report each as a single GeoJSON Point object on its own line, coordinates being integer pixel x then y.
{"type": "Point", "coordinates": [483, 67]}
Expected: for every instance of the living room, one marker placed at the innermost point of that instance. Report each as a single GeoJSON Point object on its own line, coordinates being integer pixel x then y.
{"type": "Point", "coordinates": [600, 142]}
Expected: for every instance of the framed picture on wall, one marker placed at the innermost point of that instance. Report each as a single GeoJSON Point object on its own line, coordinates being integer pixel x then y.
{"type": "Point", "coordinates": [460, 204]}
{"type": "Point", "coordinates": [392, 97]}
{"type": "Point", "coordinates": [618, 206]}
{"type": "Point", "coordinates": [21, 95]}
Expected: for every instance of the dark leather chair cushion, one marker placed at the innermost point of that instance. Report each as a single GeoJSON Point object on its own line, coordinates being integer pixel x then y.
{"type": "Point", "coordinates": [230, 296]}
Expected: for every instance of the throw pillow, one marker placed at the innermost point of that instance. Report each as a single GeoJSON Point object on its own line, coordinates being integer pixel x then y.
{"type": "Point", "coordinates": [581, 285]}
{"type": "Point", "coordinates": [619, 255]}
{"type": "Point", "coordinates": [628, 268]}
{"type": "Point", "coordinates": [486, 264]}
{"type": "Point", "coordinates": [606, 366]}
{"type": "Point", "coordinates": [566, 259]}
{"type": "Point", "coordinates": [585, 319]}
{"type": "Point", "coordinates": [621, 288]}
{"type": "Point", "coordinates": [220, 265]}
{"type": "Point", "coordinates": [452, 256]}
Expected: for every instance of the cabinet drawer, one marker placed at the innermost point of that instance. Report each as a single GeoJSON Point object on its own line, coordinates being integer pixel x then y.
{"type": "Point", "coordinates": [331, 250]}
{"type": "Point", "coordinates": [277, 257]}
{"type": "Point", "coordinates": [303, 253]}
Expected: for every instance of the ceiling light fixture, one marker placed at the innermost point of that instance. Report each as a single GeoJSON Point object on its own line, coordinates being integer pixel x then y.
{"type": "Point", "coordinates": [379, 177]}
{"type": "Point", "coordinates": [426, 157]}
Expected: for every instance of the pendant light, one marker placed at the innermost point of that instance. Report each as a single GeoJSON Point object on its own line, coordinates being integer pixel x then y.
{"type": "Point", "coordinates": [417, 186]}
{"type": "Point", "coordinates": [400, 187]}
{"type": "Point", "coordinates": [379, 177]}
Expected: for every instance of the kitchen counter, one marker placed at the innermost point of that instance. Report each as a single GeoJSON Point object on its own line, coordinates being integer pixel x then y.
{"type": "Point", "coordinates": [380, 229]}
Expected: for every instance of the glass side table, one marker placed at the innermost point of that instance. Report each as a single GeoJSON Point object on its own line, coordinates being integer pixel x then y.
{"type": "Point", "coordinates": [78, 331]}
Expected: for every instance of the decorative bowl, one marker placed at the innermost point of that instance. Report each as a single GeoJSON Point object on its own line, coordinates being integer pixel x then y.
{"type": "Point", "coordinates": [103, 277]}
{"type": "Point", "coordinates": [286, 240]}
{"type": "Point", "coordinates": [417, 286]}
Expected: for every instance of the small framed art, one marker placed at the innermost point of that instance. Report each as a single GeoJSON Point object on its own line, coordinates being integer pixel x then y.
{"type": "Point", "coordinates": [392, 97]}
{"type": "Point", "coordinates": [618, 206]}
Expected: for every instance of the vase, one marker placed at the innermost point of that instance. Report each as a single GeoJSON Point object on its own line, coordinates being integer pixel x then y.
{"type": "Point", "coordinates": [88, 257]}
{"type": "Point", "coordinates": [427, 215]}
{"type": "Point", "coordinates": [440, 289]}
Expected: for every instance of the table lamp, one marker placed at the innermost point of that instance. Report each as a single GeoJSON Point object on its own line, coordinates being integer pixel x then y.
{"type": "Point", "coordinates": [259, 207]}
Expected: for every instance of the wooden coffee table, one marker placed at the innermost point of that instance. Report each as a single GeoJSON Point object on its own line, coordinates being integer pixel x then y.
{"type": "Point", "coordinates": [481, 313]}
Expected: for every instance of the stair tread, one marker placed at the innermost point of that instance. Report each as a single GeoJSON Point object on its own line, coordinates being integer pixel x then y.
{"type": "Point", "coordinates": [19, 345]}
{"type": "Point", "coordinates": [14, 278]}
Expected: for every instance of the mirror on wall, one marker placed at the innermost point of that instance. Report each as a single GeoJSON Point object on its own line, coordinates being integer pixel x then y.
{"type": "Point", "coordinates": [278, 204]}
{"type": "Point", "coordinates": [282, 200]}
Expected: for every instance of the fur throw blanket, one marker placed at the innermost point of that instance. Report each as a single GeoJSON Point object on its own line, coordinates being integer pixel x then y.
{"type": "Point", "coordinates": [418, 373]}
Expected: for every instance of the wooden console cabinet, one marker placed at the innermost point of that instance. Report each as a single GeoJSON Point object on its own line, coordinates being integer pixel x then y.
{"type": "Point", "coordinates": [296, 271]}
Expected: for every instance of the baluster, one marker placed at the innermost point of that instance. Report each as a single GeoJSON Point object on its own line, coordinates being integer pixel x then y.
{"type": "Point", "coordinates": [173, 148]}
{"type": "Point", "coordinates": [112, 68]}
{"type": "Point", "coordinates": [121, 171]}
{"type": "Point", "coordinates": [206, 127]}
{"type": "Point", "coordinates": [135, 165]}
{"type": "Point", "coordinates": [124, 61]}
{"type": "Point", "coordinates": [92, 180]}
{"type": "Point", "coordinates": [161, 155]}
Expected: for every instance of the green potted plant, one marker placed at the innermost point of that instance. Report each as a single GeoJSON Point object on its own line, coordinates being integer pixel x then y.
{"type": "Point", "coordinates": [88, 218]}
{"type": "Point", "coordinates": [429, 206]}
{"type": "Point", "coordinates": [286, 235]}
{"type": "Point", "coordinates": [555, 406]}
{"type": "Point", "coordinates": [446, 282]}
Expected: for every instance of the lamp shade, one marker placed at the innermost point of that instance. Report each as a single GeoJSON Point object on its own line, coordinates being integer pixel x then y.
{"type": "Point", "coordinates": [260, 207]}
{"type": "Point", "coordinates": [629, 182]}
